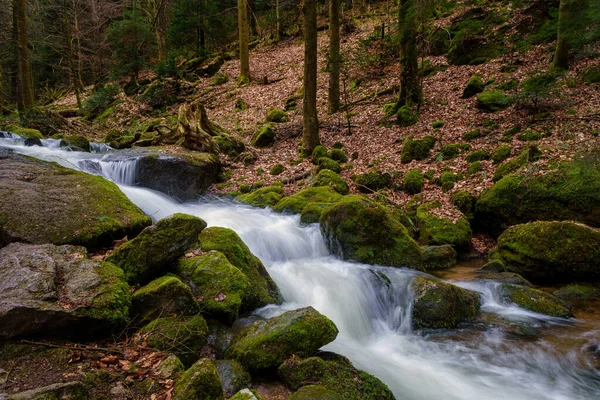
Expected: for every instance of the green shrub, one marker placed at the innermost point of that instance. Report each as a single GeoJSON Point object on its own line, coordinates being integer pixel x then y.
{"type": "Point", "coordinates": [478, 155]}
{"type": "Point", "coordinates": [413, 182]}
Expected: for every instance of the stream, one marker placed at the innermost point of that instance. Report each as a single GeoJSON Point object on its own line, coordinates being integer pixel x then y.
{"type": "Point", "coordinates": [549, 358]}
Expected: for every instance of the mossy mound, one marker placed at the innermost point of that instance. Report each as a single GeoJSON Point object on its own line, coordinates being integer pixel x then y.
{"type": "Point", "coordinates": [504, 277]}
{"type": "Point", "coordinates": [338, 155]}
{"type": "Point", "coordinates": [532, 153]}
{"type": "Point", "coordinates": [262, 290]}
{"type": "Point", "coordinates": [413, 182]}
{"type": "Point", "coordinates": [315, 392]}
{"type": "Point", "coordinates": [164, 296]}
{"type": "Point", "coordinates": [318, 152]}
{"type": "Point", "coordinates": [579, 291]}
{"type": "Point", "coordinates": [493, 100]}
{"type": "Point", "coordinates": [437, 230]}
{"type": "Point", "coordinates": [26, 133]}
{"type": "Point", "coordinates": [407, 116]}
{"type": "Point", "coordinates": [312, 212]}
{"type": "Point", "coordinates": [332, 180]}
{"type": "Point", "coordinates": [229, 145]}
{"type": "Point", "coordinates": [572, 192]}
{"type": "Point", "coordinates": [478, 155]}
{"type": "Point", "coordinates": [267, 344]}
{"type": "Point", "coordinates": [217, 284]}
{"type": "Point", "coordinates": [372, 181]}
{"type": "Point", "coordinates": [413, 149]}
{"type": "Point", "coordinates": [493, 266]}
{"type": "Point", "coordinates": [440, 305]}
{"type": "Point", "coordinates": [263, 197]}
{"type": "Point", "coordinates": [472, 50]}
{"type": "Point", "coordinates": [551, 251]}
{"type": "Point", "coordinates": [157, 247]}
{"type": "Point", "coordinates": [233, 376]}
{"type": "Point", "coordinates": [501, 154]}
{"type": "Point", "coordinates": [246, 394]}
{"type": "Point", "coordinates": [264, 137]}
{"type": "Point", "coordinates": [183, 336]}
{"type": "Point", "coordinates": [534, 300]}
{"type": "Point", "coordinates": [438, 257]}
{"type": "Point", "coordinates": [276, 115]}
{"type": "Point", "coordinates": [465, 203]}
{"type": "Point", "coordinates": [327, 163]}
{"type": "Point", "coordinates": [62, 206]}
{"type": "Point", "coordinates": [77, 143]}
{"type": "Point", "coordinates": [297, 202]}
{"type": "Point", "coordinates": [334, 373]}
{"type": "Point", "coordinates": [200, 382]}
{"type": "Point", "coordinates": [170, 367]}
{"type": "Point", "coordinates": [358, 229]}
{"type": "Point", "coordinates": [474, 86]}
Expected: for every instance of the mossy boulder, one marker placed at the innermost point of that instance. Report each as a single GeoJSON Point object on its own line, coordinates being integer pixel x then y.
{"type": "Point", "coordinates": [441, 305]}
{"type": "Point", "coordinates": [264, 137]}
{"type": "Point", "coordinates": [571, 192]}
{"type": "Point", "coordinates": [233, 376]}
{"type": "Point", "coordinates": [267, 344]}
{"type": "Point", "coordinates": [472, 50]}
{"type": "Point", "coordinates": [262, 289]}
{"type": "Point", "coordinates": [372, 181]}
{"type": "Point", "coordinates": [413, 182]}
{"type": "Point", "coordinates": [183, 336]}
{"type": "Point", "coordinates": [332, 180]}
{"type": "Point", "coordinates": [264, 197]}
{"type": "Point", "coordinates": [317, 153]}
{"type": "Point", "coordinates": [334, 373]}
{"type": "Point", "coordinates": [551, 251]}
{"type": "Point", "coordinates": [164, 296]}
{"type": "Point", "coordinates": [416, 149]}
{"type": "Point", "coordinates": [493, 266]}
{"type": "Point", "coordinates": [297, 202]}
{"type": "Point", "coordinates": [311, 213]}
{"type": "Point", "coordinates": [580, 291]}
{"type": "Point", "coordinates": [438, 257]}
{"type": "Point", "coordinates": [25, 133]}
{"type": "Point", "coordinates": [436, 229]}
{"type": "Point", "coordinates": [474, 86]}
{"type": "Point", "coordinates": [229, 145]}
{"type": "Point", "coordinates": [493, 100]}
{"type": "Point", "coordinates": [314, 392]}
{"type": "Point", "coordinates": [358, 229]}
{"type": "Point", "coordinates": [246, 394]}
{"type": "Point", "coordinates": [170, 367]}
{"type": "Point", "coordinates": [49, 290]}
{"type": "Point", "coordinates": [200, 382]}
{"type": "Point", "coordinates": [532, 153]}
{"type": "Point", "coordinates": [338, 155]}
{"type": "Point", "coordinates": [407, 116]}
{"type": "Point", "coordinates": [534, 300]}
{"type": "Point", "coordinates": [327, 163]}
{"type": "Point", "coordinates": [504, 277]}
{"type": "Point", "coordinates": [276, 115]}
{"type": "Point", "coordinates": [45, 203]}
{"type": "Point", "coordinates": [501, 154]}
{"type": "Point", "coordinates": [465, 203]}
{"type": "Point", "coordinates": [217, 284]}
{"type": "Point", "coordinates": [157, 247]}
{"type": "Point", "coordinates": [77, 143]}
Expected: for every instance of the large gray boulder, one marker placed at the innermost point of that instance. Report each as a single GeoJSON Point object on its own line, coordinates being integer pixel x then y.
{"type": "Point", "coordinates": [49, 290]}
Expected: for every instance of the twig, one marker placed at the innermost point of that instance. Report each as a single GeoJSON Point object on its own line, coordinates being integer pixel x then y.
{"type": "Point", "coordinates": [77, 347]}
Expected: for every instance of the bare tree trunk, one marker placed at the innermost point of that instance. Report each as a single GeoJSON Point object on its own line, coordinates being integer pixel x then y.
{"type": "Point", "coordinates": [26, 90]}
{"type": "Point", "coordinates": [310, 134]}
{"type": "Point", "coordinates": [561, 55]}
{"type": "Point", "coordinates": [243, 33]}
{"type": "Point", "coordinates": [410, 89]}
{"type": "Point", "coordinates": [279, 33]}
{"type": "Point", "coordinates": [334, 57]}
{"type": "Point", "coordinates": [70, 54]}
{"type": "Point", "coordinates": [2, 95]}
{"type": "Point", "coordinates": [253, 21]}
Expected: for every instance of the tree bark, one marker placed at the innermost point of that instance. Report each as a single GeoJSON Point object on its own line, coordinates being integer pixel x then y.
{"type": "Point", "coordinates": [410, 90]}
{"type": "Point", "coordinates": [334, 57]}
{"type": "Point", "coordinates": [279, 33]}
{"type": "Point", "coordinates": [70, 53]}
{"type": "Point", "coordinates": [25, 84]}
{"type": "Point", "coordinates": [310, 133]}
{"type": "Point", "coordinates": [561, 55]}
{"type": "Point", "coordinates": [243, 34]}
{"type": "Point", "coordinates": [252, 16]}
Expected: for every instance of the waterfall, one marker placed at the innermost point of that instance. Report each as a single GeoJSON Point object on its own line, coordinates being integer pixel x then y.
{"type": "Point", "coordinates": [372, 305]}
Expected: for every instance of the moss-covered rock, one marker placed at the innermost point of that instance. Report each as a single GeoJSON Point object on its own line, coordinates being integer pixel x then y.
{"type": "Point", "coordinates": [534, 300]}
{"type": "Point", "coordinates": [328, 163]}
{"type": "Point", "coordinates": [49, 290]}
{"type": "Point", "coordinates": [336, 374]}
{"type": "Point", "coordinates": [297, 202]}
{"type": "Point", "coordinates": [407, 116]}
{"type": "Point", "coordinates": [440, 305]}
{"type": "Point", "coordinates": [504, 277]}
{"type": "Point", "coordinates": [277, 169]}
{"type": "Point", "coordinates": [372, 181]}
{"type": "Point", "coordinates": [276, 115]}
{"type": "Point", "coordinates": [157, 247]}
{"type": "Point", "coordinates": [465, 203]}
{"type": "Point", "coordinates": [77, 142]}
{"type": "Point", "coordinates": [264, 137]}
{"type": "Point", "coordinates": [312, 212]}
{"type": "Point", "coordinates": [413, 182]}
{"type": "Point", "coordinates": [413, 149]}
{"type": "Point", "coordinates": [472, 50]}
{"type": "Point", "coordinates": [263, 197]}
{"type": "Point", "coordinates": [267, 344]}
{"type": "Point", "coordinates": [493, 100]}
{"type": "Point", "coordinates": [473, 87]}
{"type": "Point", "coordinates": [163, 297]}
{"type": "Point", "coordinates": [478, 155]}
{"type": "Point", "coordinates": [26, 133]}
{"type": "Point", "coordinates": [200, 382]}
{"type": "Point", "coordinates": [233, 376]}
{"type": "Point", "coordinates": [572, 192]}
{"type": "Point", "coordinates": [438, 257]}
{"type": "Point", "coordinates": [435, 229]}
{"type": "Point", "coordinates": [331, 179]}
{"type": "Point", "coordinates": [229, 145]}
{"type": "Point", "coordinates": [57, 391]}
{"type": "Point", "coordinates": [246, 394]}
{"type": "Point", "coordinates": [170, 367]}
{"type": "Point", "coordinates": [314, 392]}
{"type": "Point", "coordinates": [501, 154]}
{"type": "Point", "coordinates": [318, 152]}
{"type": "Point", "coordinates": [551, 251]}
{"type": "Point", "coordinates": [532, 153]}
{"type": "Point", "coordinates": [338, 155]}
{"type": "Point", "coordinates": [580, 291]}
{"type": "Point", "coordinates": [361, 230]}
{"type": "Point", "coordinates": [494, 266]}
{"type": "Point", "coordinates": [35, 195]}
{"type": "Point", "coordinates": [217, 284]}
{"type": "Point", "coordinates": [262, 289]}
{"type": "Point", "coordinates": [183, 336]}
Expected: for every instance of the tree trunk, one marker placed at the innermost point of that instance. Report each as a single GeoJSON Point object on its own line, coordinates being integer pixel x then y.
{"type": "Point", "coordinates": [243, 33]}
{"type": "Point", "coordinates": [310, 134]}
{"type": "Point", "coordinates": [334, 57]}
{"type": "Point", "coordinates": [279, 33]}
{"type": "Point", "coordinates": [70, 54]}
{"type": "Point", "coordinates": [253, 21]}
{"type": "Point", "coordinates": [2, 95]}
{"type": "Point", "coordinates": [561, 55]}
{"type": "Point", "coordinates": [25, 87]}
{"type": "Point", "coordinates": [410, 89]}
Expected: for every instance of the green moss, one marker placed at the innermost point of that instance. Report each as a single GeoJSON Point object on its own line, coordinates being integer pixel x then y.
{"type": "Point", "coordinates": [315, 393]}
{"type": "Point", "coordinates": [413, 182]}
{"type": "Point", "coordinates": [361, 230]}
{"type": "Point", "coordinates": [472, 135]}
{"type": "Point", "coordinates": [591, 74]}
{"type": "Point", "coordinates": [579, 291]}
{"type": "Point", "coordinates": [277, 169]}
{"type": "Point", "coordinates": [219, 286]}
{"type": "Point", "coordinates": [312, 212]}
{"type": "Point", "coordinates": [200, 382]}
{"type": "Point", "coordinates": [437, 124]}
{"type": "Point", "coordinates": [266, 344]}
{"type": "Point", "coordinates": [474, 168]}
{"type": "Point", "coordinates": [262, 290]}
{"type": "Point", "coordinates": [297, 202]}
{"type": "Point", "coordinates": [26, 133]}
{"type": "Point", "coordinates": [246, 394]}
{"type": "Point", "coordinates": [334, 373]}
{"type": "Point", "coordinates": [478, 155]}
{"type": "Point", "coordinates": [406, 116]}
{"type": "Point", "coordinates": [328, 163]}
{"type": "Point", "coordinates": [264, 137]}
{"type": "Point", "coordinates": [416, 149]}
{"type": "Point", "coordinates": [501, 154]}
{"type": "Point", "coordinates": [438, 257]}
{"type": "Point", "coordinates": [529, 136]}
{"type": "Point", "coordinates": [474, 86]}
{"type": "Point", "coordinates": [263, 197]}
{"type": "Point", "coordinates": [77, 142]}
{"type": "Point", "coordinates": [450, 151]}
{"type": "Point", "coordinates": [162, 297]}
{"type": "Point", "coordinates": [240, 105]}
{"type": "Point", "coordinates": [338, 155]}
{"type": "Point", "coordinates": [436, 230]}
{"type": "Point", "coordinates": [276, 115]}
{"type": "Point", "coordinates": [534, 300]}
{"type": "Point", "coordinates": [465, 202]}
{"type": "Point", "coordinates": [229, 145]}
{"type": "Point", "coordinates": [318, 152]}
{"type": "Point", "coordinates": [493, 100]}
{"type": "Point", "coordinates": [331, 179]}
{"type": "Point", "coordinates": [183, 336]}
{"type": "Point", "coordinates": [447, 180]}
{"type": "Point", "coordinates": [528, 155]}
{"type": "Point", "coordinates": [372, 181]}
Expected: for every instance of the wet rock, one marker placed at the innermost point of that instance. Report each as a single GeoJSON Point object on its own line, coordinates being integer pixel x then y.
{"type": "Point", "coordinates": [157, 247]}
{"type": "Point", "coordinates": [233, 376]}
{"type": "Point", "coordinates": [70, 390]}
{"type": "Point", "coordinates": [266, 344]}
{"type": "Point", "coordinates": [45, 203]}
{"type": "Point", "coordinates": [437, 230]}
{"type": "Point", "coordinates": [438, 257]}
{"type": "Point", "coordinates": [493, 266]}
{"type": "Point", "coordinates": [201, 381]}
{"type": "Point", "coordinates": [245, 394]}
{"type": "Point", "coordinates": [534, 300]}
{"type": "Point", "coordinates": [164, 296]}
{"type": "Point", "coordinates": [505, 277]}
{"type": "Point", "coordinates": [49, 290]}
{"type": "Point", "coordinates": [263, 197]}
{"type": "Point", "coordinates": [76, 143]}
{"type": "Point", "coordinates": [170, 367]}
{"type": "Point", "coordinates": [579, 291]}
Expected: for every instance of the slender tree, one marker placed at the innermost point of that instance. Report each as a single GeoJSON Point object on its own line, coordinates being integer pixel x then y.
{"type": "Point", "coordinates": [410, 88]}
{"type": "Point", "coordinates": [334, 57]}
{"type": "Point", "coordinates": [279, 33]}
{"type": "Point", "coordinates": [310, 134]}
{"type": "Point", "coordinates": [561, 55]}
{"type": "Point", "coordinates": [25, 83]}
{"type": "Point", "coordinates": [243, 33]}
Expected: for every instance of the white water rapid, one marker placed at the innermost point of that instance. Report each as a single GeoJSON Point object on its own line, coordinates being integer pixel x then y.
{"type": "Point", "coordinates": [372, 313]}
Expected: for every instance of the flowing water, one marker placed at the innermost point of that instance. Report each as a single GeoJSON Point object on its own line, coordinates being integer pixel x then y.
{"type": "Point", "coordinates": [544, 358]}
